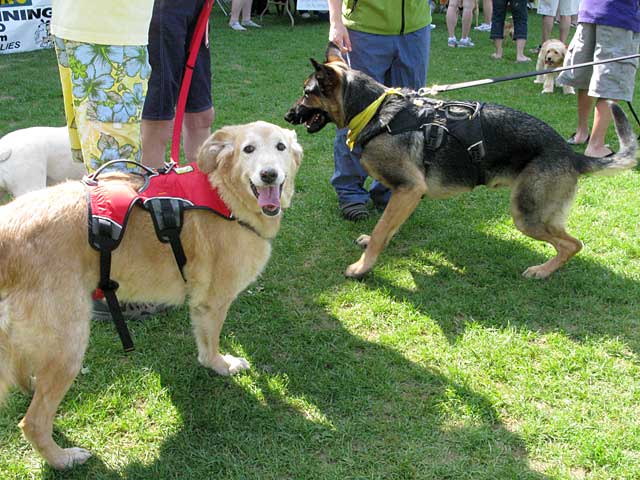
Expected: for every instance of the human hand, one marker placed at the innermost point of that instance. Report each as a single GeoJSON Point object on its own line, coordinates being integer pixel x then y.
{"type": "Point", "coordinates": [339, 35]}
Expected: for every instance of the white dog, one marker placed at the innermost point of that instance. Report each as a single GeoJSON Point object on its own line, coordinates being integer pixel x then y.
{"type": "Point", "coordinates": [32, 158]}
{"type": "Point", "coordinates": [551, 56]}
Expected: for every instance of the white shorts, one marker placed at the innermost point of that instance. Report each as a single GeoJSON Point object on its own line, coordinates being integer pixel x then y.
{"type": "Point", "coordinates": [549, 8]}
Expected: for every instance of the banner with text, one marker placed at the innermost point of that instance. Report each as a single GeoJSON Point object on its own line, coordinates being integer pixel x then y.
{"type": "Point", "coordinates": [24, 25]}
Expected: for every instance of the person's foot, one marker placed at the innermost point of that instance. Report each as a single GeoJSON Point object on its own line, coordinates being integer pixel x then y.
{"type": "Point", "coordinates": [483, 27]}
{"type": "Point", "coordinates": [355, 212]}
{"type": "Point", "coordinates": [305, 15]}
{"type": "Point", "coordinates": [237, 27]}
{"type": "Point", "coordinates": [522, 59]}
{"type": "Point", "coordinates": [599, 152]}
{"type": "Point", "coordinates": [452, 42]}
{"type": "Point", "coordinates": [496, 56]}
{"type": "Point", "coordinates": [466, 43]}
{"type": "Point", "coordinates": [577, 139]}
{"type": "Point", "coordinates": [251, 23]}
{"type": "Point", "coordinates": [432, 26]}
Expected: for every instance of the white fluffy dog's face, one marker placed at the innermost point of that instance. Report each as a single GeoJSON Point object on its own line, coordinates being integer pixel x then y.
{"type": "Point", "coordinates": [257, 162]}
{"type": "Point", "coordinates": [553, 52]}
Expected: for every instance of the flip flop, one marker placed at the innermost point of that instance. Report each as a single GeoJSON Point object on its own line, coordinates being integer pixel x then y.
{"type": "Point", "coordinates": [572, 140]}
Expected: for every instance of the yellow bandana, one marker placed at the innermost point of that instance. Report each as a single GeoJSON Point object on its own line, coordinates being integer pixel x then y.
{"type": "Point", "coordinates": [361, 120]}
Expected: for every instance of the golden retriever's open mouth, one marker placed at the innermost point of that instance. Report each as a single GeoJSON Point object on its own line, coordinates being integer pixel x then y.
{"type": "Point", "coordinates": [268, 198]}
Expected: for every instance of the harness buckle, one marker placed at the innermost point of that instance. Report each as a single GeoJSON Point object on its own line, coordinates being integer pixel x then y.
{"type": "Point", "coordinates": [476, 151]}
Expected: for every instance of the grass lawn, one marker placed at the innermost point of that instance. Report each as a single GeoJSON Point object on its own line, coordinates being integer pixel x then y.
{"type": "Point", "coordinates": [444, 363]}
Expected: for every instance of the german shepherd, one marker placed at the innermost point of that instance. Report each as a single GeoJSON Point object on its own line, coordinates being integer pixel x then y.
{"type": "Point", "coordinates": [520, 152]}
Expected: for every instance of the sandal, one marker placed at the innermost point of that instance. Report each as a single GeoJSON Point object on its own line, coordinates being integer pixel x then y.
{"type": "Point", "coordinates": [355, 212]}
{"type": "Point", "coordinates": [572, 139]}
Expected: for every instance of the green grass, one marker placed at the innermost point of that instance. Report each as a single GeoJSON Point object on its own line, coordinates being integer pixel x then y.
{"type": "Point", "coordinates": [444, 363]}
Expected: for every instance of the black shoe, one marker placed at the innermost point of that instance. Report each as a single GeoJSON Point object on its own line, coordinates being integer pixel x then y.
{"type": "Point", "coordinates": [355, 212]}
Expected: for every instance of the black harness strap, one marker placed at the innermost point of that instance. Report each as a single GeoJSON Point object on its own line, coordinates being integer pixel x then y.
{"type": "Point", "coordinates": [105, 236]}
{"type": "Point", "coordinates": [167, 215]}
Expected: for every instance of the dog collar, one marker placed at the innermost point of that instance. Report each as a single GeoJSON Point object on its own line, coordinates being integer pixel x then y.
{"type": "Point", "coordinates": [362, 119]}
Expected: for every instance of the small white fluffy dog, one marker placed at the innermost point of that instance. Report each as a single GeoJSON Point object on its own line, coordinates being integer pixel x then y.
{"type": "Point", "coordinates": [32, 158]}
{"type": "Point", "coordinates": [551, 55]}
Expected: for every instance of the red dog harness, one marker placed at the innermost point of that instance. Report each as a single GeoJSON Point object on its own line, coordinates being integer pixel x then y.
{"type": "Point", "coordinates": [166, 194]}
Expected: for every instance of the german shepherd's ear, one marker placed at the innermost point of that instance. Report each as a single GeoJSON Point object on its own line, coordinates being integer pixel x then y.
{"type": "Point", "coordinates": [217, 147]}
{"type": "Point", "coordinates": [333, 53]}
{"type": "Point", "coordinates": [326, 76]}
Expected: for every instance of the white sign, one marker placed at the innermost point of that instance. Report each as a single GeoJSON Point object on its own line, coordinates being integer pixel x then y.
{"type": "Point", "coordinates": [24, 25]}
{"type": "Point", "coordinates": [317, 5]}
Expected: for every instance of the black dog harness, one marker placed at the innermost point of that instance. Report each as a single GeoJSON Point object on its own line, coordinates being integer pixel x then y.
{"type": "Point", "coordinates": [438, 120]}
{"type": "Point", "coordinates": [166, 194]}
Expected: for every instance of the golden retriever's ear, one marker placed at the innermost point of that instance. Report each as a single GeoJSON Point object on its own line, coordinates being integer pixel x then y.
{"type": "Point", "coordinates": [215, 148]}
{"type": "Point", "coordinates": [296, 155]}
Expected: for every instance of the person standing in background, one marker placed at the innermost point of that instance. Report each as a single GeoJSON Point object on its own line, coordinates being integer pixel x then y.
{"type": "Point", "coordinates": [172, 26]}
{"type": "Point", "coordinates": [452, 20]}
{"type": "Point", "coordinates": [606, 29]}
{"type": "Point", "coordinates": [390, 44]}
{"type": "Point", "coordinates": [101, 49]}
{"type": "Point", "coordinates": [241, 7]}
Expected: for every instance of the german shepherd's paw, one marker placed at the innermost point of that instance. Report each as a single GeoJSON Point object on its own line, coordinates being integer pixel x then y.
{"type": "Point", "coordinates": [537, 271]}
{"type": "Point", "coordinates": [70, 457]}
{"type": "Point", "coordinates": [226, 365]}
{"type": "Point", "coordinates": [357, 270]}
{"type": "Point", "coordinates": [362, 241]}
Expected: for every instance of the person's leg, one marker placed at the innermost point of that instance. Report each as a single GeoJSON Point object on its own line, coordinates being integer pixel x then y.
{"type": "Point", "coordinates": [547, 28]}
{"type": "Point", "coordinates": [155, 137]}
{"type": "Point", "coordinates": [520, 19]}
{"type": "Point", "coordinates": [601, 122]}
{"type": "Point", "coordinates": [234, 16]}
{"type": "Point", "coordinates": [565, 26]}
{"type": "Point", "coordinates": [487, 11]}
{"type": "Point", "coordinates": [467, 16]}
{"type": "Point", "coordinates": [497, 26]}
{"type": "Point", "coordinates": [196, 129]}
{"type": "Point", "coordinates": [452, 20]}
{"type": "Point", "coordinates": [371, 54]}
{"type": "Point", "coordinates": [585, 103]}
{"type": "Point", "coordinates": [614, 81]}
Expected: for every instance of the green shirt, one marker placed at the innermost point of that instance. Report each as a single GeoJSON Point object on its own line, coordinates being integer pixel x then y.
{"type": "Point", "coordinates": [386, 17]}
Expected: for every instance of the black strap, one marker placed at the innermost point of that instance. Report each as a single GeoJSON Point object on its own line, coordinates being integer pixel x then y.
{"type": "Point", "coordinates": [167, 216]}
{"type": "Point", "coordinates": [109, 287]}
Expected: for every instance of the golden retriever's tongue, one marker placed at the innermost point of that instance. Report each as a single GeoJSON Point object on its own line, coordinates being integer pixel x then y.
{"type": "Point", "coordinates": [269, 197]}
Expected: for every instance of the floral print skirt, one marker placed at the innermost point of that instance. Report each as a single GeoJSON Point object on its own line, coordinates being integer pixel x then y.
{"type": "Point", "coordinates": [104, 87]}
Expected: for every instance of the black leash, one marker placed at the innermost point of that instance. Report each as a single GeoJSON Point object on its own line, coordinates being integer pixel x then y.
{"type": "Point", "coordinates": [635, 115]}
{"type": "Point", "coordinates": [435, 89]}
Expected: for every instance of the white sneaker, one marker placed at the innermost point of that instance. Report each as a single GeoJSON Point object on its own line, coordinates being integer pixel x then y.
{"type": "Point", "coordinates": [452, 42]}
{"type": "Point", "coordinates": [466, 43]}
{"type": "Point", "coordinates": [432, 26]}
{"type": "Point", "coordinates": [305, 15]}
{"type": "Point", "coordinates": [237, 27]}
{"type": "Point", "coordinates": [483, 27]}
{"type": "Point", "coordinates": [251, 23]}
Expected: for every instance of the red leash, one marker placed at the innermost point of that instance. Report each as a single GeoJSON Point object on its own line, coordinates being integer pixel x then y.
{"type": "Point", "coordinates": [196, 41]}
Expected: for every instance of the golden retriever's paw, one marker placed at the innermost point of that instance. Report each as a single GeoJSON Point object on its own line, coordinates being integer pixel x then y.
{"type": "Point", "coordinates": [70, 457]}
{"type": "Point", "coordinates": [539, 79]}
{"type": "Point", "coordinates": [537, 271]}
{"type": "Point", "coordinates": [362, 241]}
{"type": "Point", "coordinates": [568, 90]}
{"type": "Point", "coordinates": [356, 270]}
{"type": "Point", "coordinates": [547, 90]}
{"type": "Point", "coordinates": [227, 365]}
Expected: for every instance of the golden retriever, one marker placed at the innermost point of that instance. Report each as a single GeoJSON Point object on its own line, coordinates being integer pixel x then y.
{"type": "Point", "coordinates": [48, 270]}
{"type": "Point", "coordinates": [551, 55]}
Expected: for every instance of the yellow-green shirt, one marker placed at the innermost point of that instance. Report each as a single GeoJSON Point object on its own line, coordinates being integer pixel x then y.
{"type": "Point", "coordinates": [105, 22]}
{"type": "Point", "coordinates": [386, 17]}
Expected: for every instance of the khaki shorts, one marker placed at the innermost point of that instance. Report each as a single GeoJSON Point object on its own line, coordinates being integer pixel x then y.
{"type": "Point", "coordinates": [591, 42]}
{"type": "Point", "coordinates": [549, 8]}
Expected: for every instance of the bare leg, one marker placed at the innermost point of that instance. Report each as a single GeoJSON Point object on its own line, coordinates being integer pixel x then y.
{"type": "Point", "coordinates": [520, 56]}
{"type": "Point", "coordinates": [487, 11]}
{"type": "Point", "coordinates": [565, 26]}
{"type": "Point", "coordinates": [601, 122]}
{"type": "Point", "coordinates": [547, 27]}
{"type": "Point", "coordinates": [498, 52]}
{"type": "Point", "coordinates": [155, 136]}
{"type": "Point", "coordinates": [467, 16]}
{"type": "Point", "coordinates": [585, 103]}
{"type": "Point", "coordinates": [452, 17]}
{"type": "Point", "coordinates": [196, 129]}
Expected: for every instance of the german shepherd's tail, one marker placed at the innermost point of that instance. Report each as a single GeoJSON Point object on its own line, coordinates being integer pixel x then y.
{"type": "Point", "coordinates": [625, 158]}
